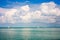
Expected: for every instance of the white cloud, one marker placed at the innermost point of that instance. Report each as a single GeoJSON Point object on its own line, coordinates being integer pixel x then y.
{"type": "Point", "coordinates": [44, 8]}
{"type": "Point", "coordinates": [10, 12]}
{"type": "Point", "coordinates": [36, 14]}
{"type": "Point", "coordinates": [26, 18]}
{"type": "Point", "coordinates": [2, 10]}
{"type": "Point", "coordinates": [50, 9]}
{"type": "Point", "coordinates": [2, 19]}
{"type": "Point", "coordinates": [9, 15]}
{"type": "Point", "coordinates": [25, 15]}
{"type": "Point", "coordinates": [25, 8]}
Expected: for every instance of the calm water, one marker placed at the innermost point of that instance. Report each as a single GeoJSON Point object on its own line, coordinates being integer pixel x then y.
{"type": "Point", "coordinates": [30, 34]}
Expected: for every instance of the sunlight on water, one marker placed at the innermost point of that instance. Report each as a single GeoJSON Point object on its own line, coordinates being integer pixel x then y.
{"type": "Point", "coordinates": [26, 33]}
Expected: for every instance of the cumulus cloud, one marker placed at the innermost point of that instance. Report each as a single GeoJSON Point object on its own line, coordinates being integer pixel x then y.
{"type": "Point", "coordinates": [50, 9]}
{"type": "Point", "coordinates": [25, 8]}
{"type": "Point", "coordinates": [46, 12]}
{"type": "Point", "coordinates": [26, 18]}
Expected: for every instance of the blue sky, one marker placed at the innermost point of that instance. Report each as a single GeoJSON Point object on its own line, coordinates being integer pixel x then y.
{"type": "Point", "coordinates": [30, 13]}
{"type": "Point", "coordinates": [3, 3]}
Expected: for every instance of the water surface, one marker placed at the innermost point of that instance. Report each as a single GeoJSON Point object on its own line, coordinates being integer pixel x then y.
{"type": "Point", "coordinates": [29, 33]}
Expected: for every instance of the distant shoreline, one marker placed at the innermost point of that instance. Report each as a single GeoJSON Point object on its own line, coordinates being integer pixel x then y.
{"type": "Point", "coordinates": [29, 27]}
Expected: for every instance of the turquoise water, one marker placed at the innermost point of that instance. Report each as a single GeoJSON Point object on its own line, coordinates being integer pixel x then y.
{"type": "Point", "coordinates": [30, 34]}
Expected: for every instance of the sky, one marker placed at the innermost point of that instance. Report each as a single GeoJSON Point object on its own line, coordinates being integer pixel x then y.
{"type": "Point", "coordinates": [30, 13]}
